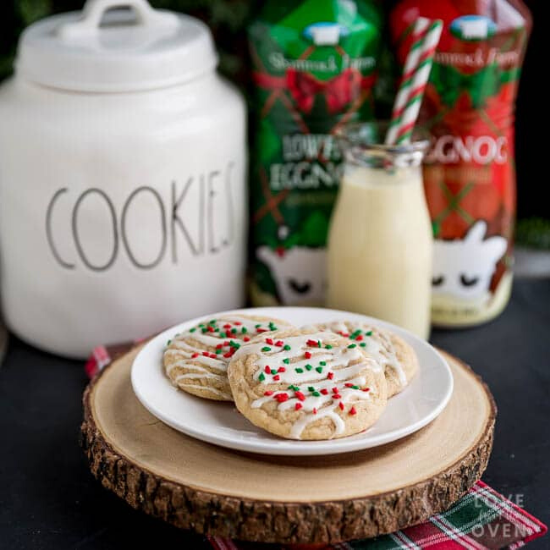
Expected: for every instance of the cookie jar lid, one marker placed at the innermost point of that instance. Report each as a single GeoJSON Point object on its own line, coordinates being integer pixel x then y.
{"type": "Point", "coordinates": [106, 50]}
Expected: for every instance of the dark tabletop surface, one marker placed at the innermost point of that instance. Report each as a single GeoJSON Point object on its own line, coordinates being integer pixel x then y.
{"type": "Point", "coordinates": [49, 500]}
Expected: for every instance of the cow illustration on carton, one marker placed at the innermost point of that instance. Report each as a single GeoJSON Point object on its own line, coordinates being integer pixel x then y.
{"type": "Point", "coordinates": [463, 268]}
{"type": "Point", "coordinates": [298, 272]}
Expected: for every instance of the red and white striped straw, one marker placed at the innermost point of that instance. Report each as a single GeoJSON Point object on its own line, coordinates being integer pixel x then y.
{"type": "Point", "coordinates": [416, 73]}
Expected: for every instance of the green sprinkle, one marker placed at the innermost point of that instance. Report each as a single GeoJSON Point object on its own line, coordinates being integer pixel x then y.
{"type": "Point", "coordinates": [272, 326]}
{"type": "Point", "coordinates": [316, 394]}
{"type": "Point", "coordinates": [243, 330]}
{"type": "Point", "coordinates": [286, 347]}
{"type": "Point", "coordinates": [355, 387]}
{"type": "Point", "coordinates": [212, 322]}
{"type": "Point", "coordinates": [193, 329]}
{"type": "Point", "coordinates": [286, 361]}
{"type": "Point", "coordinates": [293, 387]}
{"type": "Point", "coordinates": [218, 351]}
{"type": "Point", "coordinates": [299, 371]}
{"type": "Point", "coordinates": [351, 346]}
{"type": "Point", "coordinates": [223, 335]}
{"type": "Point", "coordinates": [328, 346]}
{"type": "Point", "coordinates": [202, 325]}
{"type": "Point", "coordinates": [319, 369]}
{"type": "Point", "coordinates": [203, 330]}
{"type": "Point", "coordinates": [261, 377]}
{"type": "Point", "coordinates": [233, 331]}
{"type": "Point", "coordinates": [369, 333]}
{"type": "Point", "coordinates": [310, 388]}
{"type": "Point", "coordinates": [169, 342]}
{"type": "Point", "coordinates": [257, 326]}
{"type": "Point", "coordinates": [318, 343]}
{"type": "Point", "coordinates": [363, 345]}
{"type": "Point", "coordinates": [323, 363]}
{"type": "Point", "coordinates": [217, 329]}
{"type": "Point", "coordinates": [266, 348]}
{"type": "Point", "coordinates": [309, 367]}
{"type": "Point", "coordinates": [234, 344]}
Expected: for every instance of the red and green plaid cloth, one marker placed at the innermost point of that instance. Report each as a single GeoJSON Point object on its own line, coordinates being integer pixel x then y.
{"type": "Point", "coordinates": [482, 519]}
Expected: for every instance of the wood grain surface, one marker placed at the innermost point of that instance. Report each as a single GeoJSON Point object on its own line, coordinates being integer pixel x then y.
{"type": "Point", "coordinates": [217, 491]}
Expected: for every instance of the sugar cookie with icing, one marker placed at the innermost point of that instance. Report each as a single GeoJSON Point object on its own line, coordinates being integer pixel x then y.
{"type": "Point", "coordinates": [396, 356]}
{"type": "Point", "coordinates": [196, 360]}
{"type": "Point", "coordinates": [307, 384]}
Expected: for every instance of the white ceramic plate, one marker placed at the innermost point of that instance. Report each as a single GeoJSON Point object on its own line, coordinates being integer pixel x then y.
{"type": "Point", "coordinates": [220, 423]}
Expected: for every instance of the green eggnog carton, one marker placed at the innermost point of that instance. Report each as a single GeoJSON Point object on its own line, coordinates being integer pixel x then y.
{"type": "Point", "coordinates": [314, 66]}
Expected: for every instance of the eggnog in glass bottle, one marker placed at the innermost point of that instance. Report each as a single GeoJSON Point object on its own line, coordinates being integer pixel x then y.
{"type": "Point", "coordinates": [380, 239]}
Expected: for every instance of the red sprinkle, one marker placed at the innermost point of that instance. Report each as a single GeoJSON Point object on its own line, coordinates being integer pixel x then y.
{"type": "Point", "coordinates": [324, 391]}
{"type": "Point", "coordinates": [227, 325]}
{"type": "Point", "coordinates": [260, 330]}
{"type": "Point", "coordinates": [300, 396]}
{"type": "Point", "coordinates": [307, 355]}
{"type": "Point", "coordinates": [281, 369]}
{"type": "Point", "coordinates": [206, 353]}
{"type": "Point", "coordinates": [269, 341]}
{"type": "Point", "coordinates": [196, 354]}
{"type": "Point", "coordinates": [298, 406]}
{"type": "Point", "coordinates": [330, 375]}
{"type": "Point", "coordinates": [279, 343]}
{"type": "Point", "coordinates": [314, 411]}
{"type": "Point", "coordinates": [341, 405]}
{"type": "Point", "coordinates": [228, 354]}
{"type": "Point", "coordinates": [238, 323]}
{"type": "Point", "coordinates": [335, 390]}
{"type": "Point", "coordinates": [213, 356]}
{"type": "Point", "coordinates": [268, 393]}
{"type": "Point", "coordinates": [366, 389]}
{"type": "Point", "coordinates": [312, 343]}
{"type": "Point", "coordinates": [349, 385]}
{"type": "Point", "coordinates": [359, 338]}
{"type": "Point", "coordinates": [337, 396]}
{"type": "Point", "coordinates": [219, 346]}
{"type": "Point", "coordinates": [210, 328]}
{"type": "Point", "coordinates": [281, 397]}
{"type": "Point", "coordinates": [267, 370]}
{"type": "Point", "coordinates": [276, 377]}
{"type": "Point", "coordinates": [352, 411]}
{"type": "Point", "coordinates": [344, 334]}
{"type": "Point", "coordinates": [246, 339]}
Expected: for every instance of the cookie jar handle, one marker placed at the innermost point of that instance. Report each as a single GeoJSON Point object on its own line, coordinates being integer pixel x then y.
{"type": "Point", "coordinates": [94, 10]}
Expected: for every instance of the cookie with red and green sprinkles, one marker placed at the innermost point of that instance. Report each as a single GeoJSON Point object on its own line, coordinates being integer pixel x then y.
{"type": "Point", "coordinates": [307, 384]}
{"type": "Point", "coordinates": [396, 356]}
{"type": "Point", "coordinates": [196, 359]}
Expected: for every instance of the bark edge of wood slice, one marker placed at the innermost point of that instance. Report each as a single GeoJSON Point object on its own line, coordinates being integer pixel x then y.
{"type": "Point", "coordinates": [121, 447]}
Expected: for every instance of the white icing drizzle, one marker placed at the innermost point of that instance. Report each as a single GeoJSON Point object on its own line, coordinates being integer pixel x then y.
{"type": "Point", "coordinates": [187, 356]}
{"type": "Point", "coordinates": [319, 387]}
{"type": "Point", "coordinates": [379, 345]}
{"type": "Point", "coordinates": [200, 361]}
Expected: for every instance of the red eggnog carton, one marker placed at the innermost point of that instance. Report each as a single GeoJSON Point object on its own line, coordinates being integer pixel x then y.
{"type": "Point", "coordinates": [469, 172]}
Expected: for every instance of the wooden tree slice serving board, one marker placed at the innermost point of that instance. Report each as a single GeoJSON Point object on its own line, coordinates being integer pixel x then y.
{"type": "Point", "coordinates": [217, 491]}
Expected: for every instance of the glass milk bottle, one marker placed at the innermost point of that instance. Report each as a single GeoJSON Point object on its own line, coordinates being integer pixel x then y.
{"type": "Point", "coordinates": [380, 240]}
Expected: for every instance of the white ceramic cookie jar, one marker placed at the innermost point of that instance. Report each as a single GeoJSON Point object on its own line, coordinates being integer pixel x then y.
{"type": "Point", "coordinates": [122, 178]}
